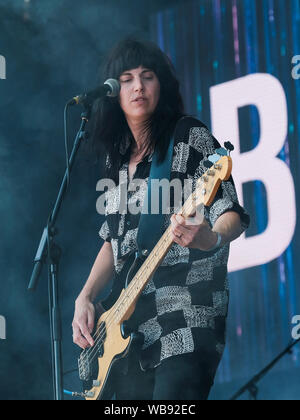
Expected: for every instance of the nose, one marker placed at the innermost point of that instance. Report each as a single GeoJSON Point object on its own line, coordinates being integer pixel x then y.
{"type": "Point", "coordinates": [138, 85]}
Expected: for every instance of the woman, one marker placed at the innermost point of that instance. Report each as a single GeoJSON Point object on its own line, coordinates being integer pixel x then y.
{"type": "Point", "coordinates": [181, 314]}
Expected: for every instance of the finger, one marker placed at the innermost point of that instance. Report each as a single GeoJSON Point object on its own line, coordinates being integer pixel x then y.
{"type": "Point", "coordinates": [197, 218]}
{"type": "Point", "coordinates": [86, 334]}
{"type": "Point", "coordinates": [180, 219]}
{"type": "Point", "coordinates": [177, 219]}
{"type": "Point", "coordinates": [180, 241]}
{"type": "Point", "coordinates": [178, 228]}
{"type": "Point", "coordinates": [176, 239]}
{"type": "Point", "coordinates": [181, 223]}
{"type": "Point", "coordinates": [82, 343]}
{"type": "Point", "coordinates": [78, 339]}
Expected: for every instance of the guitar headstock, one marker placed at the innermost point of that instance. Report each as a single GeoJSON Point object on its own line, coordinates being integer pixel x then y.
{"type": "Point", "coordinates": [208, 184]}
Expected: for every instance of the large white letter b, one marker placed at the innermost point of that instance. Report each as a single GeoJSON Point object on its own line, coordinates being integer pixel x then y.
{"type": "Point", "coordinates": [266, 93]}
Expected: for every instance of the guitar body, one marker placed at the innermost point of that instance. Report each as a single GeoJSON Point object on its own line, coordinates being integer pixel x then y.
{"type": "Point", "coordinates": [116, 346]}
{"type": "Point", "coordinates": [100, 366]}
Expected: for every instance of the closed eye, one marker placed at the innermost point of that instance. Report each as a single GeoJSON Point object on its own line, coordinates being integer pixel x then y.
{"type": "Point", "coordinates": [129, 80]}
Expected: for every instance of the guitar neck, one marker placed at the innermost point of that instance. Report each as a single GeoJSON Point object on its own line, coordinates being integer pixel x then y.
{"type": "Point", "coordinates": [153, 261]}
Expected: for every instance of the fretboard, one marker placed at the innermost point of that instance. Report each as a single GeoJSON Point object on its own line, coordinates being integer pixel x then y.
{"type": "Point", "coordinates": [150, 265]}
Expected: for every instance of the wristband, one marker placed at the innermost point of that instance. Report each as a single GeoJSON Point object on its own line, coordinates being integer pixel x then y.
{"type": "Point", "coordinates": [217, 245]}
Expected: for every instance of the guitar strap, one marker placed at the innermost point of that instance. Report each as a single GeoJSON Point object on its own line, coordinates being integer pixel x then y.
{"type": "Point", "coordinates": [150, 227]}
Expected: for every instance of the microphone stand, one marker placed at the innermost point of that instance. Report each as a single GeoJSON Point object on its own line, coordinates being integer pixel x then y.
{"type": "Point", "coordinates": [48, 251]}
{"type": "Point", "coordinates": [251, 386]}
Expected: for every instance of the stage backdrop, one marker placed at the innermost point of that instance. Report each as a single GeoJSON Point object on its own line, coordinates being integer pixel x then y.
{"type": "Point", "coordinates": [238, 62]}
{"type": "Point", "coordinates": [239, 67]}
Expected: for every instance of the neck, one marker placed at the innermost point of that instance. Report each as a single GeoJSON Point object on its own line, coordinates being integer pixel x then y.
{"type": "Point", "coordinates": [139, 135]}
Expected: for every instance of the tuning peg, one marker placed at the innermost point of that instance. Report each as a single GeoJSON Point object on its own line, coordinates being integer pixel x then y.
{"type": "Point", "coordinates": [229, 146]}
{"type": "Point", "coordinates": [222, 151]}
{"type": "Point", "coordinates": [208, 164]}
{"type": "Point", "coordinates": [214, 158]}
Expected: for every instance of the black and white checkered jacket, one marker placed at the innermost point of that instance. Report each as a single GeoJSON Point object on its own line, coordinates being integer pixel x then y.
{"type": "Point", "coordinates": [183, 308]}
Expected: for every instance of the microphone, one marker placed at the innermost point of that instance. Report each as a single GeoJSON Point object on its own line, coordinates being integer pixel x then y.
{"type": "Point", "coordinates": [110, 88]}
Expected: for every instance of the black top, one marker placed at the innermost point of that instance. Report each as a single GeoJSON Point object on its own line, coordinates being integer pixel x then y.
{"type": "Point", "coordinates": [183, 308]}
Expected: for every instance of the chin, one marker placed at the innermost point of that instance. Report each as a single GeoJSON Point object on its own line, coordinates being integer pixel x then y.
{"type": "Point", "coordinates": [141, 115]}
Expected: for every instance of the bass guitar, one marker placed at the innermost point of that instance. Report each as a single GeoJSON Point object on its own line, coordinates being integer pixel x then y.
{"type": "Point", "coordinates": [112, 343]}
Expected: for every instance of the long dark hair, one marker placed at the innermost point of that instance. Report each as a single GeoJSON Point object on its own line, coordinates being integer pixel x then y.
{"type": "Point", "coordinates": [109, 126]}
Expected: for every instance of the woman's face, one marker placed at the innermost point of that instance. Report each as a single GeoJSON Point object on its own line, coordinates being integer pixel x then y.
{"type": "Point", "coordinates": [139, 94]}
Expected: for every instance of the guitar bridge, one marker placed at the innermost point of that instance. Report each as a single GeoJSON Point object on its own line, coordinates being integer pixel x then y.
{"type": "Point", "coordinates": [88, 358]}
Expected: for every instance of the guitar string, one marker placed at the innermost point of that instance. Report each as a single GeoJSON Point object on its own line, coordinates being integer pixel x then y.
{"type": "Point", "coordinates": [101, 333]}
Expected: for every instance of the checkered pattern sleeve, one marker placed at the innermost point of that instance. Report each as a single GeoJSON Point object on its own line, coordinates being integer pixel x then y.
{"type": "Point", "coordinates": [202, 144]}
{"type": "Point", "coordinates": [104, 232]}
{"type": "Point", "coordinates": [226, 200]}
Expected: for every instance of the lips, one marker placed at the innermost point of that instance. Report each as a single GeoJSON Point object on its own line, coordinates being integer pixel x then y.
{"type": "Point", "coordinates": [140, 99]}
